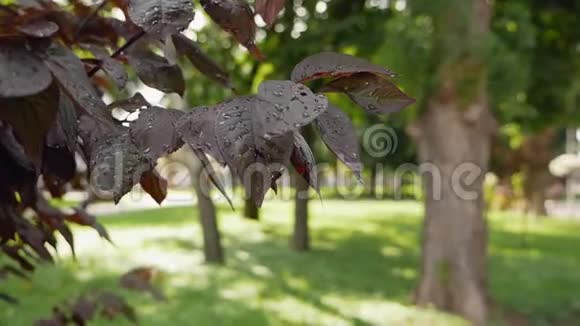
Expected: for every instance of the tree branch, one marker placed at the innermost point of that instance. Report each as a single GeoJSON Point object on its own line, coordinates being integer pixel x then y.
{"type": "Point", "coordinates": [88, 19]}
{"type": "Point", "coordinates": [120, 50]}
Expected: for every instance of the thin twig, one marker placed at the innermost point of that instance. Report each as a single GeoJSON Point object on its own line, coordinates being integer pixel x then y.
{"type": "Point", "coordinates": [120, 50]}
{"type": "Point", "coordinates": [87, 19]}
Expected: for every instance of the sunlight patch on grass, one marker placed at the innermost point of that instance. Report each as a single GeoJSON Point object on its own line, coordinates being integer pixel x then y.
{"type": "Point", "coordinates": [362, 269]}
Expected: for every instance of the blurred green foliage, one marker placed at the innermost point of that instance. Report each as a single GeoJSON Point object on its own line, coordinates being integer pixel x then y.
{"type": "Point", "coordinates": [532, 58]}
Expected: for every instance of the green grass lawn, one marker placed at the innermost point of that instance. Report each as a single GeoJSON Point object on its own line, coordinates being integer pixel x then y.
{"type": "Point", "coordinates": [362, 270]}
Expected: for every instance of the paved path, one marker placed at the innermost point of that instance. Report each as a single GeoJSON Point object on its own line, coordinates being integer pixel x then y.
{"type": "Point", "coordinates": [563, 209]}
{"type": "Point", "coordinates": [135, 201]}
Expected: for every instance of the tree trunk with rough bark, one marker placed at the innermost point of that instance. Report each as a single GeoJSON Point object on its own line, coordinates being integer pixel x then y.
{"type": "Point", "coordinates": [212, 247]}
{"type": "Point", "coordinates": [453, 134]}
{"type": "Point", "coordinates": [301, 236]}
{"type": "Point", "coordinates": [454, 245]}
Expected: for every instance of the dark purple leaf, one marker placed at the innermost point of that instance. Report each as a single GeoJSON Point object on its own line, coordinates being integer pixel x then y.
{"type": "Point", "coordinates": [35, 238]}
{"type": "Point", "coordinates": [197, 129]}
{"type": "Point", "coordinates": [155, 71]}
{"type": "Point", "coordinates": [212, 175]}
{"type": "Point", "coordinates": [81, 217]}
{"type": "Point", "coordinates": [67, 121]}
{"type": "Point", "coordinates": [83, 310]}
{"type": "Point", "coordinates": [200, 60]}
{"type": "Point", "coordinates": [132, 104]}
{"type": "Point", "coordinates": [22, 73]}
{"type": "Point", "coordinates": [58, 162]}
{"type": "Point", "coordinates": [14, 161]}
{"type": "Point", "coordinates": [68, 69]}
{"type": "Point", "coordinates": [113, 305]}
{"type": "Point", "coordinates": [269, 10]}
{"type": "Point", "coordinates": [52, 217]}
{"type": "Point", "coordinates": [38, 110]}
{"type": "Point", "coordinates": [155, 133]}
{"type": "Point", "coordinates": [274, 183]}
{"type": "Point", "coordinates": [161, 17]}
{"type": "Point", "coordinates": [292, 106]}
{"type": "Point", "coordinates": [111, 66]}
{"type": "Point", "coordinates": [330, 64]}
{"type": "Point", "coordinates": [116, 165]}
{"type": "Point", "coordinates": [247, 151]}
{"type": "Point", "coordinates": [303, 161]}
{"type": "Point", "coordinates": [339, 135]}
{"type": "Point", "coordinates": [154, 185]}
{"type": "Point", "coordinates": [91, 132]}
{"type": "Point", "coordinates": [377, 94]}
{"type": "Point", "coordinates": [39, 28]}
{"type": "Point", "coordinates": [237, 18]}
{"type": "Point", "coordinates": [140, 279]}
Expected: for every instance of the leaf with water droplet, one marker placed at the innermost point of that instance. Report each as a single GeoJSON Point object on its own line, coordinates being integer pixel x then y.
{"type": "Point", "coordinates": [116, 165]}
{"type": "Point", "coordinates": [237, 18]}
{"type": "Point", "coordinates": [70, 72]}
{"type": "Point", "coordinates": [377, 94]}
{"type": "Point", "coordinates": [110, 65]}
{"type": "Point", "coordinates": [30, 118]}
{"type": "Point", "coordinates": [132, 104]}
{"type": "Point", "coordinates": [249, 154]}
{"type": "Point", "coordinates": [288, 105]}
{"type": "Point", "coordinates": [332, 65]}
{"type": "Point", "coordinates": [269, 10]}
{"type": "Point", "coordinates": [339, 135]}
{"type": "Point", "coordinates": [155, 71]}
{"type": "Point", "coordinates": [155, 132]}
{"type": "Point", "coordinates": [201, 61]}
{"type": "Point", "coordinates": [22, 73]}
{"type": "Point", "coordinates": [211, 174]}
{"type": "Point", "coordinates": [161, 18]}
{"type": "Point", "coordinates": [39, 28]}
{"type": "Point", "coordinates": [196, 129]}
{"type": "Point", "coordinates": [304, 162]}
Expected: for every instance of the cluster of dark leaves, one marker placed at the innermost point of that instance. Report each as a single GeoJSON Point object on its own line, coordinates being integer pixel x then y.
{"type": "Point", "coordinates": [105, 304]}
{"type": "Point", "coordinates": [50, 108]}
{"type": "Point", "coordinates": [86, 308]}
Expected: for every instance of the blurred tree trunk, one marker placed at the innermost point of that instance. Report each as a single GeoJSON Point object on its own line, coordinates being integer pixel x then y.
{"type": "Point", "coordinates": [537, 154]}
{"type": "Point", "coordinates": [212, 246]}
{"type": "Point", "coordinates": [301, 235]}
{"type": "Point", "coordinates": [537, 180]}
{"type": "Point", "coordinates": [454, 133]}
{"type": "Point", "coordinates": [251, 211]}
{"type": "Point", "coordinates": [373, 183]}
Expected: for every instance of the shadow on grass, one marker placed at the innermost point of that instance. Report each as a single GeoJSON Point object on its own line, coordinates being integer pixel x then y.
{"type": "Point", "coordinates": [187, 306]}
{"type": "Point", "coordinates": [354, 264]}
{"type": "Point", "coordinates": [374, 257]}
